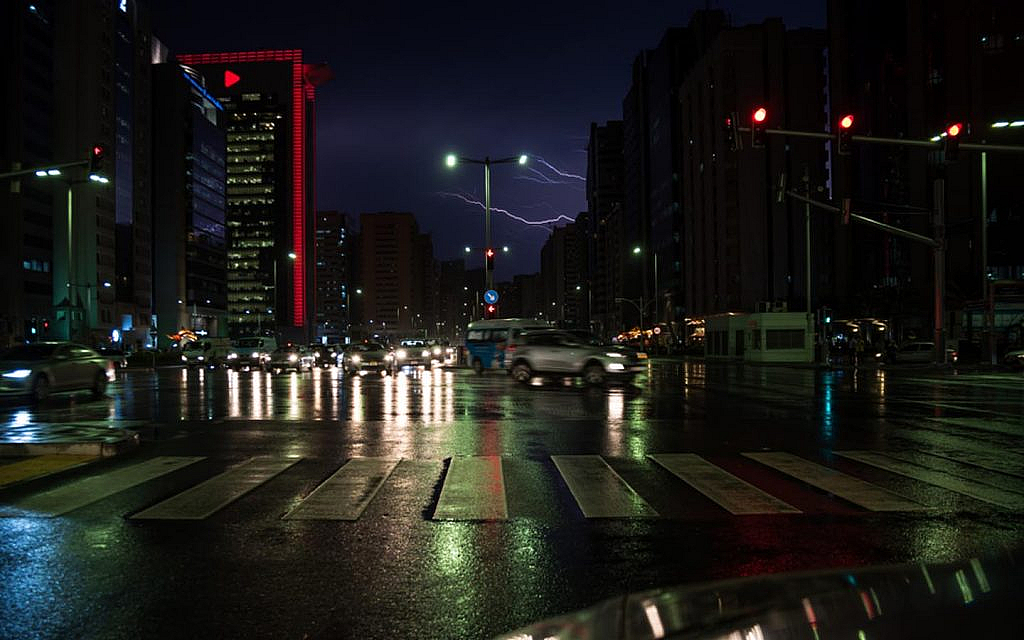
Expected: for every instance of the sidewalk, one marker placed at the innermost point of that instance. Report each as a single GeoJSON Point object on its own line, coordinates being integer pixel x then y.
{"type": "Point", "coordinates": [86, 438]}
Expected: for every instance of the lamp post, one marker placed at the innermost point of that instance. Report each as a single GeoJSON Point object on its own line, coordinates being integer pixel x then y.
{"type": "Point", "coordinates": [637, 250]}
{"type": "Point", "coordinates": [56, 172]}
{"type": "Point", "coordinates": [452, 160]}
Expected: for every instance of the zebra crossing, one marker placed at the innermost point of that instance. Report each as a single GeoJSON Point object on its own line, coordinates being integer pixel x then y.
{"type": "Point", "coordinates": [478, 488]}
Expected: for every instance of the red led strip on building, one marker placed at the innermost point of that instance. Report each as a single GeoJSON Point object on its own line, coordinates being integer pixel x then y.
{"type": "Point", "coordinates": [300, 91]}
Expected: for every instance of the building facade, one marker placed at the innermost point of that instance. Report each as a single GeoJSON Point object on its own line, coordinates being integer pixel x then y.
{"type": "Point", "coordinates": [189, 172]}
{"type": "Point", "coordinates": [607, 247]}
{"type": "Point", "coordinates": [332, 277]}
{"type": "Point", "coordinates": [744, 244]}
{"type": "Point", "coordinates": [269, 107]}
{"type": "Point", "coordinates": [563, 271]}
{"type": "Point", "coordinates": [27, 141]}
{"type": "Point", "coordinates": [392, 258]}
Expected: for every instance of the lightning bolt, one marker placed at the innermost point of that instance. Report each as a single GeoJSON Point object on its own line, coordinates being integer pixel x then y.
{"type": "Point", "coordinates": [533, 223]}
{"type": "Point", "coordinates": [557, 170]}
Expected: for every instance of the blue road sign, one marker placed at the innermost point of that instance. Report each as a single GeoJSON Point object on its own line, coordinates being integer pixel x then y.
{"type": "Point", "coordinates": [490, 296]}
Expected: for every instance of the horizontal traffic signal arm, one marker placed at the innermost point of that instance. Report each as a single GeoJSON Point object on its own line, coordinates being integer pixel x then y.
{"type": "Point", "coordinates": [904, 142]}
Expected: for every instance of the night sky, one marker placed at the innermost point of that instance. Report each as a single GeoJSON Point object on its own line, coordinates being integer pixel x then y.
{"type": "Point", "coordinates": [415, 80]}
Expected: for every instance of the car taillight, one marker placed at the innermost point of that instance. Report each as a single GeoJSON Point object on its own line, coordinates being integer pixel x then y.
{"type": "Point", "coordinates": [510, 348]}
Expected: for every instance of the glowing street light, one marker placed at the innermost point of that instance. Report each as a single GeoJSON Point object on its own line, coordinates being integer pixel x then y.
{"type": "Point", "coordinates": [451, 160]}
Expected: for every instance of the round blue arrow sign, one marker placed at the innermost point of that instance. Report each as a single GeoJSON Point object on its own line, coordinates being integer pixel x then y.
{"type": "Point", "coordinates": [490, 296]}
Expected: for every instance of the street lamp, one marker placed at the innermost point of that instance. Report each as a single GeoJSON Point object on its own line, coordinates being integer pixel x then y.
{"type": "Point", "coordinates": [451, 160]}
{"type": "Point", "coordinates": [637, 250]}
{"type": "Point", "coordinates": [291, 258]}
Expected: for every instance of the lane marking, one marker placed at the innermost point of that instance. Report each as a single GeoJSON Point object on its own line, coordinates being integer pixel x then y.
{"type": "Point", "coordinates": [473, 489]}
{"type": "Point", "coordinates": [39, 466]}
{"type": "Point", "coordinates": [946, 405]}
{"type": "Point", "coordinates": [984, 424]}
{"type": "Point", "coordinates": [963, 486]}
{"type": "Point", "coordinates": [736, 496]}
{"type": "Point", "coordinates": [936, 440]}
{"type": "Point", "coordinates": [86, 491]}
{"type": "Point", "coordinates": [598, 490]}
{"type": "Point", "coordinates": [1003, 462]}
{"type": "Point", "coordinates": [347, 493]}
{"type": "Point", "coordinates": [210, 496]}
{"type": "Point", "coordinates": [855, 490]}
{"type": "Point", "coordinates": [961, 469]}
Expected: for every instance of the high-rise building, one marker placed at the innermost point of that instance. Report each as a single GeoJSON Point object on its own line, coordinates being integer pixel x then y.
{"type": "Point", "coordinates": [653, 148]}
{"type": "Point", "coordinates": [269, 117]}
{"type": "Point", "coordinates": [743, 245]}
{"type": "Point", "coordinates": [189, 245]}
{"type": "Point", "coordinates": [563, 268]}
{"type": "Point", "coordinates": [27, 141]}
{"type": "Point", "coordinates": [908, 69]}
{"type": "Point", "coordinates": [452, 299]}
{"type": "Point", "coordinates": [102, 262]}
{"type": "Point", "coordinates": [391, 275]}
{"type": "Point", "coordinates": [607, 250]}
{"type": "Point", "coordinates": [332, 277]}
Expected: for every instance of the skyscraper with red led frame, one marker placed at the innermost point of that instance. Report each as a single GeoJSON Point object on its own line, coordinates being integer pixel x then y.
{"type": "Point", "coordinates": [269, 118]}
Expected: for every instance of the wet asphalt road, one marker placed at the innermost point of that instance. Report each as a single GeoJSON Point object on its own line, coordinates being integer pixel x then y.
{"type": "Point", "coordinates": [398, 570]}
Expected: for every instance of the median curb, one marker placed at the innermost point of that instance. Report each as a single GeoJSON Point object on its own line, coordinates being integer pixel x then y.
{"type": "Point", "coordinates": [112, 442]}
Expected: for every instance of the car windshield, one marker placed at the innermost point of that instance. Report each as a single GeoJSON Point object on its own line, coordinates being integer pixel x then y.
{"type": "Point", "coordinates": [369, 346]}
{"type": "Point", "coordinates": [29, 352]}
{"type": "Point", "coordinates": [193, 346]}
{"type": "Point", "coordinates": [249, 343]}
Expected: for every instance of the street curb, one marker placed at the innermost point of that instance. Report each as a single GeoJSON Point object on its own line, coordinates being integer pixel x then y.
{"type": "Point", "coordinates": [129, 440]}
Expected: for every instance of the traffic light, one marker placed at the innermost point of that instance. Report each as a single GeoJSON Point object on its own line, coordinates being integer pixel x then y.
{"type": "Point", "coordinates": [732, 137]}
{"type": "Point", "coordinates": [98, 164]}
{"type": "Point", "coordinates": [489, 258]}
{"type": "Point", "coordinates": [952, 147]}
{"type": "Point", "coordinates": [845, 133]}
{"type": "Point", "coordinates": [490, 311]}
{"type": "Point", "coordinates": [757, 124]}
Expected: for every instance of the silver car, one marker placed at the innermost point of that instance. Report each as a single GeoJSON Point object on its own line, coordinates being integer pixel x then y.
{"type": "Point", "coordinates": [547, 352]}
{"type": "Point", "coordinates": [36, 370]}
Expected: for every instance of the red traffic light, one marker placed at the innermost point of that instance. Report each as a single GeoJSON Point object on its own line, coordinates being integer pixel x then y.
{"type": "Point", "coordinates": [846, 122]}
{"type": "Point", "coordinates": [98, 150]}
{"type": "Point", "coordinates": [760, 115]}
{"type": "Point", "coordinates": [489, 253]}
{"type": "Point", "coordinates": [954, 129]}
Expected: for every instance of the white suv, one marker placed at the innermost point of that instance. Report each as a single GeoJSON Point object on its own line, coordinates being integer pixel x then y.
{"type": "Point", "coordinates": [547, 351]}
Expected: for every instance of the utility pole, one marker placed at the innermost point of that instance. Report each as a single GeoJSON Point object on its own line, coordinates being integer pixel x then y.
{"type": "Point", "coordinates": [939, 194]}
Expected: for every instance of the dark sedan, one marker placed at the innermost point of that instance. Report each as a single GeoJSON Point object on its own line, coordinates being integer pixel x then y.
{"type": "Point", "coordinates": [39, 369]}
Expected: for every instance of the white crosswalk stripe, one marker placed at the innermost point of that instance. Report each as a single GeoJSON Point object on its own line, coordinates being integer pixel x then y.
{"type": "Point", "coordinates": [479, 488]}
{"type": "Point", "coordinates": [209, 497]}
{"type": "Point", "coordinates": [847, 487]}
{"type": "Point", "coordinates": [729, 492]}
{"type": "Point", "coordinates": [963, 486]}
{"type": "Point", "coordinates": [95, 488]}
{"type": "Point", "coordinates": [347, 493]}
{"type": "Point", "coordinates": [474, 489]}
{"type": "Point", "coordinates": [598, 490]}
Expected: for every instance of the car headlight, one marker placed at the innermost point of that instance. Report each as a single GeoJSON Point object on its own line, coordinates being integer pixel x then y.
{"type": "Point", "coordinates": [389, 357]}
{"type": "Point", "coordinates": [184, 358]}
{"type": "Point", "coordinates": [18, 374]}
{"type": "Point", "coordinates": [401, 354]}
{"type": "Point", "coordinates": [425, 353]}
{"type": "Point", "coordinates": [437, 351]}
{"type": "Point", "coordinates": [201, 358]}
{"type": "Point", "coordinates": [449, 350]}
{"type": "Point", "coordinates": [292, 357]}
{"type": "Point", "coordinates": [316, 355]}
{"type": "Point", "coordinates": [616, 366]}
{"type": "Point", "coordinates": [356, 359]}
{"type": "Point", "coordinates": [232, 356]}
{"type": "Point", "coordinates": [613, 354]}
{"type": "Point", "coordinates": [255, 354]}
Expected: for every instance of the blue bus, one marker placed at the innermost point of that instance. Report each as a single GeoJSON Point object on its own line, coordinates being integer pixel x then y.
{"type": "Point", "coordinates": [488, 341]}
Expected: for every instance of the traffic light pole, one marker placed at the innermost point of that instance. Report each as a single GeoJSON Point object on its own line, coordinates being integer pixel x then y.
{"type": "Point", "coordinates": [488, 275]}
